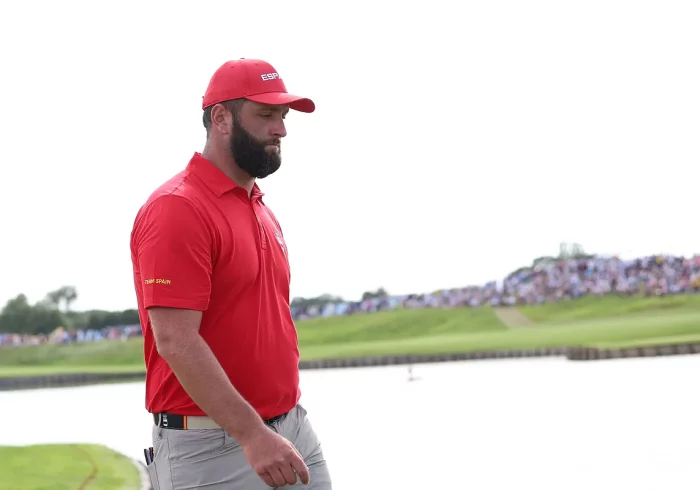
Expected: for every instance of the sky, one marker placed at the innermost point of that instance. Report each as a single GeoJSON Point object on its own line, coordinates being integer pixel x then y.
{"type": "Point", "coordinates": [452, 142]}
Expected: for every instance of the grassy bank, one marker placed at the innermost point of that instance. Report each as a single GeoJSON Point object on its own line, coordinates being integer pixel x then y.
{"type": "Point", "coordinates": [609, 321]}
{"type": "Point", "coordinates": [66, 467]}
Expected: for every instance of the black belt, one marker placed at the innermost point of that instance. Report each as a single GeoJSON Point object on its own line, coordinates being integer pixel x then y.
{"type": "Point", "coordinates": [177, 422]}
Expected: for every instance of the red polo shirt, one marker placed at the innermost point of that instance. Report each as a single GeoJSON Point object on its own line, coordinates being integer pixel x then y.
{"type": "Point", "coordinates": [201, 243]}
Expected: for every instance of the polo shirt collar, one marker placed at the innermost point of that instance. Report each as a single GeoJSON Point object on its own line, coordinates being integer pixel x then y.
{"type": "Point", "coordinates": [215, 180]}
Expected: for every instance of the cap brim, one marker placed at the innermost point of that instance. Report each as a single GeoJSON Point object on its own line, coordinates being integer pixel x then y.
{"type": "Point", "coordinates": [295, 102]}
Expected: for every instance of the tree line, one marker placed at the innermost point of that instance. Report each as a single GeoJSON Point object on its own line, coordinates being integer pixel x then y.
{"type": "Point", "coordinates": [54, 310]}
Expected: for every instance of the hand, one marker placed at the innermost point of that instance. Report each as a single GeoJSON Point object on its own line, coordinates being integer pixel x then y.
{"type": "Point", "coordinates": [274, 458]}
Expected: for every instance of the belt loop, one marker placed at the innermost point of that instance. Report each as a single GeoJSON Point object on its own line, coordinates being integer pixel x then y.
{"type": "Point", "coordinates": [184, 422]}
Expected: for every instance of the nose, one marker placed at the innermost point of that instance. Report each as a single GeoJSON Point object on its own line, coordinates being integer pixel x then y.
{"type": "Point", "coordinates": [278, 129]}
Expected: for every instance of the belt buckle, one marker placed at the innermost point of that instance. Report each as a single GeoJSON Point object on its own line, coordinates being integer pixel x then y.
{"type": "Point", "coordinates": [162, 420]}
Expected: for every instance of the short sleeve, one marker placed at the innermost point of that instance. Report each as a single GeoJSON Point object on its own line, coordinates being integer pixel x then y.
{"type": "Point", "coordinates": [172, 251]}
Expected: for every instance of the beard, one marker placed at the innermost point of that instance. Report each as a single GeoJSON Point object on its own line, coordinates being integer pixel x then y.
{"type": "Point", "coordinates": [250, 154]}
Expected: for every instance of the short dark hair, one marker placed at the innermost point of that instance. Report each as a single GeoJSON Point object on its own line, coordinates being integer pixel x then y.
{"type": "Point", "coordinates": [233, 106]}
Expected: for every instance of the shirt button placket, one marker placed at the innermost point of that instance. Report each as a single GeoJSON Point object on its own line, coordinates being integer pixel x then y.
{"type": "Point", "coordinates": [261, 228]}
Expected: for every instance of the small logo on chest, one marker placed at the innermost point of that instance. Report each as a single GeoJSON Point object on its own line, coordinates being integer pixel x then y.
{"type": "Point", "coordinates": [280, 240]}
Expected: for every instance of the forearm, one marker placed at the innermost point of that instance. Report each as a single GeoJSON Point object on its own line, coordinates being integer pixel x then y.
{"type": "Point", "coordinates": [202, 377]}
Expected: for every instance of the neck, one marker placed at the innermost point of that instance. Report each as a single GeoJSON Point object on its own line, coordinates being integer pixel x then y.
{"type": "Point", "coordinates": [223, 160]}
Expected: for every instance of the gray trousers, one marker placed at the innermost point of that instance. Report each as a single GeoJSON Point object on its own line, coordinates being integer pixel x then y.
{"type": "Point", "coordinates": [213, 460]}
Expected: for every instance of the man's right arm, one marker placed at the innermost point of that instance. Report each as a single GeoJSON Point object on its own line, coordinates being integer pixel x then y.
{"type": "Point", "coordinates": [173, 242]}
{"type": "Point", "coordinates": [177, 337]}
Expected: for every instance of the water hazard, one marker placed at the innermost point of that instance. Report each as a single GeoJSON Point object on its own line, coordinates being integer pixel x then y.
{"type": "Point", "coordinates": [548, 424]}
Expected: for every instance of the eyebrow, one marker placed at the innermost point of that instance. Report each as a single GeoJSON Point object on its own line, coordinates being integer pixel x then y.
{"type": "Point", "coordinates": [275, 108]}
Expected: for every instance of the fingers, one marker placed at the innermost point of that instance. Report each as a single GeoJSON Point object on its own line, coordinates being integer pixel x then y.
{"type": "Point", "coordinates": [282, 474]}
{"type": "Point", "coordinates": [285, 474]}
{"type": "Point", "coordinates": [277, 477]}
{"type": "Point", "coordinates": [281, 470]}
{"type": "Point", "coordinates": [288, 473]}
{"type": "Point", "coordinates": [267, 479]}
{"type": "Point", "coordinates": [301, 469]}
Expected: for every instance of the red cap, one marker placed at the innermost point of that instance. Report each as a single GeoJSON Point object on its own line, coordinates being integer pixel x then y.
{"type": "Point", "coordinates": [254, 80]}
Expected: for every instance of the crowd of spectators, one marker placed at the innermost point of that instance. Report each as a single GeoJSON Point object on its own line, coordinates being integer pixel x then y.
{"type": "Point", "coordinates": [547, 281]}
{"type": "Point", "coordinates": [64, 336]}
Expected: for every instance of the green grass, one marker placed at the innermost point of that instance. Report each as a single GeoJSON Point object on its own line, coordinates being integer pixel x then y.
{"type": "Point", "coordinates": [91, 357]}
{"type": "Point", "coordinates": [399, 324]}
{"type": "Point", "coordinates": [608, 321]}
{"type": "Point", "coordinates": [59, 467]}
{"type": "Point", "coordinates": [590, 308]}
{"type": "Point", "coordinates": [42, 370]}
{"type": "Point", "coordinates": [89, 354]}
{"type": "Point", "coordinates": [621, 330]}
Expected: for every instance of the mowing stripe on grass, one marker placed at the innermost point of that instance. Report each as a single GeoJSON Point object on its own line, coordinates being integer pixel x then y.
{"type": "Point", "coordinates": [512, 317]}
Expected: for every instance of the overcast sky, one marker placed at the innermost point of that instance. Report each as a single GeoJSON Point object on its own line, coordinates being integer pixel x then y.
{"type": "Point", "coordinates": [452, 142]}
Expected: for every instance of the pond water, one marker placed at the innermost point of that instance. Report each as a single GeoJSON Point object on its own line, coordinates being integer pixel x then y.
{"type": "Point", "coordinates": [545, 424]}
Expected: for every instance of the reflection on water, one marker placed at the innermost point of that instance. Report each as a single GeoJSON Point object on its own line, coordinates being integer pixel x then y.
{"type": "Point", "coordinates": [544, 424]}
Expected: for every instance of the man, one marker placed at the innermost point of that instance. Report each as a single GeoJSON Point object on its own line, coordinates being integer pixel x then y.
{"type": "Point", "coordinates": [212, 282]}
